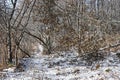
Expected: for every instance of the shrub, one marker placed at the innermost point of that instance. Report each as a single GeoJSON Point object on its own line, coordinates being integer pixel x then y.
{"type": "Point", "coordinates": [96, 56]}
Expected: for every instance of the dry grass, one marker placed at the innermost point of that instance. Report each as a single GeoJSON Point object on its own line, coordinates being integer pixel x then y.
{"type": "Point", "coordinates": [3, 66]}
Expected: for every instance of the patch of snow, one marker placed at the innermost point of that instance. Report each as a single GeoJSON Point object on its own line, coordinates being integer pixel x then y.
{"type": "Point", "coordinates": [12, 69]}
{"type": "Point", "coordinates": [39, 50]}
{"type": "Point", "coordinates": [40, 47]}
{"type": "Point", "coordinates": [66, 66]}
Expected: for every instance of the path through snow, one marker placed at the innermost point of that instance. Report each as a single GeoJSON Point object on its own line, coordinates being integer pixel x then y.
{"type": "Point", "coordinates": [65, 66]}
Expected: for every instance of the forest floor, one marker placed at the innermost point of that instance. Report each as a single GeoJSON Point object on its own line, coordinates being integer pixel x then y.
{"type": "Point", "coordinates": [64, 66]}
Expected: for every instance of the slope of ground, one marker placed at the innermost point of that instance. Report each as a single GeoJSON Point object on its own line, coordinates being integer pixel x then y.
{"type": "Point", "coordinates": [64, 66]}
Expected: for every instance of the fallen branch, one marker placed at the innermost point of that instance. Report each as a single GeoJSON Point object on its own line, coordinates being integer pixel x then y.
{"type": "Point", "coordinates": [25, 52]}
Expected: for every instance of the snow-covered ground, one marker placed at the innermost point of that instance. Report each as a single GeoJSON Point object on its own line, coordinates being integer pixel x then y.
{"type": "Point", "coordinates": [65, 66]}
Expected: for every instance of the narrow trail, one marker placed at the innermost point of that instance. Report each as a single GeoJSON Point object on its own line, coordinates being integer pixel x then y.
{"type": "Point", "coordinates": [65, 66]}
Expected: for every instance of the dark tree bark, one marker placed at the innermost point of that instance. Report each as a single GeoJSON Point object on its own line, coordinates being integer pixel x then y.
{"type": "Point", "coordinates": [9, 31]}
